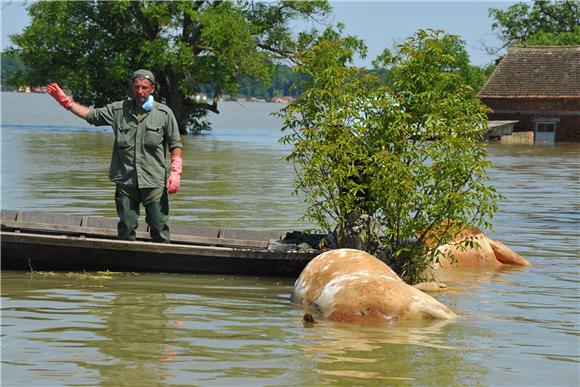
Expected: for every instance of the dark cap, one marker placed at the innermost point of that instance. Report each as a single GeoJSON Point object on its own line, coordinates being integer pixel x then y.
{"type": "Point", "coordinates": [146, 74]}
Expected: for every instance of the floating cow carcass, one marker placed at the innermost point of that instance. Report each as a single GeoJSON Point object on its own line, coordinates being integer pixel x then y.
{"type": "Point", "coordinates": [480, 252]}
{"type": "Point", "coordinates": [347, 285]}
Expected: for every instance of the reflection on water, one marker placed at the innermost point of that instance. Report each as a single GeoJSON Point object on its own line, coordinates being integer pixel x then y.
{"type": "Point", "coordinates": [132, 339]}
{"type": "Point", "coordinates": [516, 326]}
{"type": "Point", "coordinates": [155, 329]}
{"type": "Point", "coordinates": [367, 354]}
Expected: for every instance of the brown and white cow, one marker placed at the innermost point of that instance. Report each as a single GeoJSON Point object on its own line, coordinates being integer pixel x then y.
{"type": "Point", "coordinates": [487, 253]}
{"type": "Point", "coordinates": [348, 285]}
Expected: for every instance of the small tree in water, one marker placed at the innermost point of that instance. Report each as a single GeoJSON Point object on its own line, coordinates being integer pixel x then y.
{"type": "Point", "coordinates": [400, 157]}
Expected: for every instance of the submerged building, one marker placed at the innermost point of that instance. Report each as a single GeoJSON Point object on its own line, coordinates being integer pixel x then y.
{"type": "Point", "coordinates": [539, 87]}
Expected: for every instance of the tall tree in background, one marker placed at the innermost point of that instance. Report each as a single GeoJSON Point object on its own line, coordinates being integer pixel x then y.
{"type": "Point", "coordinates": [542, 23]}
{"type": "Point", "coordinates": [11, 64]}
{"type": "Point", "coordinates": [91, 47]}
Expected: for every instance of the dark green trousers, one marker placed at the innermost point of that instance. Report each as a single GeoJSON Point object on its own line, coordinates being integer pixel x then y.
{"type": "Point", "coordinates": [156, 203]}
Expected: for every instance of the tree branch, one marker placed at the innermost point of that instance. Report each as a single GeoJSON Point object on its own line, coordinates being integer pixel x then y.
{"type": "Point", "coordinates": [148, 28]}
{"type": "Point", "coordinates": [289, 55]}
{"type": "Point", "coordinates": [213, 107]}
{"type": "Point", "coordinates": [187, 23]}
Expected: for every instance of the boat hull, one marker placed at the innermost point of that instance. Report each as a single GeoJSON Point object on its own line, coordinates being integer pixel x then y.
{"type": "Point", "coordinates": [54, 247]}
{"type": "Point", "coordinates": [22, 251]}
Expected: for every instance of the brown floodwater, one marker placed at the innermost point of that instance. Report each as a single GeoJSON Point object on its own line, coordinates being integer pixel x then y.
{"type": "Point", "coordinates": [515, 327]}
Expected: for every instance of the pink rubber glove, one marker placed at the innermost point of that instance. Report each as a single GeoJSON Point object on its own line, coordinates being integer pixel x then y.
{"type": "Point", "coordinates": [175, 178]}
{"type": "Point", "coordinates": [56, 92]}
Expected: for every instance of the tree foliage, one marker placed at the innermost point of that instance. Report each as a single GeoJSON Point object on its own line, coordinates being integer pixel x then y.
{"type": "Point", "coordinates": [284, 83]}
{"type": "Point", "coordinates": [11, 66]}
{"type": "Point", "coordinates": [404, 151]}
{"type": "Point", "coordinates": [91, 47]}
{"type": "Point", "coordinates": [542, 23]}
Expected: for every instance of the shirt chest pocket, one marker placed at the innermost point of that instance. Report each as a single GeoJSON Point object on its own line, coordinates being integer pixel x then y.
{"type": "Point", "coordinates": [126, 134]}
{"type": "Point", "coordinates": [153, 136]}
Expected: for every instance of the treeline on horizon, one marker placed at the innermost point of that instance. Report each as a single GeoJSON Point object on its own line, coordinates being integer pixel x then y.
{"type": "Point", "coordinates": [284, 82]}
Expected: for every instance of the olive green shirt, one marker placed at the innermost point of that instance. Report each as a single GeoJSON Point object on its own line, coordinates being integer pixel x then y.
{"type": "Point", "coordinates": [139, 150]}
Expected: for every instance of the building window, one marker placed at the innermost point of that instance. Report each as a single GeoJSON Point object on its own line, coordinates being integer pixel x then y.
{"type": "Point", "coordinates": [545, 131]}
{"type": "Point", "coordinates": [545, 127]}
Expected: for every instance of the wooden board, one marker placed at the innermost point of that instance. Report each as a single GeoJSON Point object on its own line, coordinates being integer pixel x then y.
{"type": "Point", "coordinates": [75, 225]}
{"type": "Point", "coordinates": [141, 235]}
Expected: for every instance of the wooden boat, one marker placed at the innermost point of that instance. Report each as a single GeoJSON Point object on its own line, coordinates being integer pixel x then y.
{"type": "Point", "coordinates": [41, 241]}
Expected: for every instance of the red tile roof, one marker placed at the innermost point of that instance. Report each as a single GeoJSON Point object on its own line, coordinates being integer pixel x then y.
{"type": "Point", "coordinates": [536, 72]}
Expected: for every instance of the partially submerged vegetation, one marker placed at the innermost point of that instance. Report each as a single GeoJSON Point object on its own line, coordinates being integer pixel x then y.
{"type": "Point", "coordinates": [384, 163]}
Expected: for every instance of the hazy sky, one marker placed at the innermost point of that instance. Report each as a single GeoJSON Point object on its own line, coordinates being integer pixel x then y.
{"type": "Point", "coordinates": [378, 23]}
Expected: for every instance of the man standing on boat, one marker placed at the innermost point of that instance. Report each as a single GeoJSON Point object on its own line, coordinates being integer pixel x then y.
{"type": "Point", "coordinates": [143, 130]}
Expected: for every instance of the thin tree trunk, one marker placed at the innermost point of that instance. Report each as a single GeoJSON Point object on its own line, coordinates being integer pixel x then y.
{"type": "Point", "coordinates": [176, 102]}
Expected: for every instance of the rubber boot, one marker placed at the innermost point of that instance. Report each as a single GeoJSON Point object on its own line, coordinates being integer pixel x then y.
{"type": "Point", "coordinates": [128, 212]}
{"type": "Point", "coordinates": [157, 215]}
